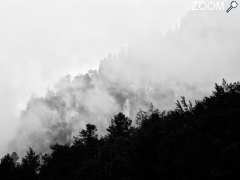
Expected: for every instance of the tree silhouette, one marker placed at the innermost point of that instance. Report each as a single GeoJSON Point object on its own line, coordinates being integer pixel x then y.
{"type": "Point", "coordinates": [120, 126]}
{"type": "Point", "coordinates": [8, 168]}
{"type": "Point", "coordinates": [30, 165]}
{"type": "Point", "coordinates": [193, 141]}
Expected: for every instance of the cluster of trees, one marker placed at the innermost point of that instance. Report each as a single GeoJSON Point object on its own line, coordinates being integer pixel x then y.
{"type": "Point", "coordinates": [200, 141]}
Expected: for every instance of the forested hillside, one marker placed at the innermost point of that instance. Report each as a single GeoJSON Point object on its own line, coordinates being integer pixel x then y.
{"type": "Point", "coordinates": [197, 140]}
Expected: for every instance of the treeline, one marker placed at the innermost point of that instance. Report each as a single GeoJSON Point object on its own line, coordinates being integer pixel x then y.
{"type": "Point", "coordinates": [192, 142]}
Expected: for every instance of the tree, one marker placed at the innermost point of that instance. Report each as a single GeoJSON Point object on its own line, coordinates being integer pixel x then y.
{"type": "Point", "coordinates": [87, 136]}
{"type": "Point", "coordinates": [200, 141]}
{"type": "Point", "coordinates": [8, 169]}
{"type": "Point", "coordinates": [120, 126]}
{"type": "Point", "coordinates": [30, 165]}
{"type": "Point", "coordinates": [141, 117]}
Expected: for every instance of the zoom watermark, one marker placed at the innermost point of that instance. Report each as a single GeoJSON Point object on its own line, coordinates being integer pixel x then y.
{"type": "Point", "coordinates": [206, 5]}
{"type": "Point", "coordinates": [233, 5]}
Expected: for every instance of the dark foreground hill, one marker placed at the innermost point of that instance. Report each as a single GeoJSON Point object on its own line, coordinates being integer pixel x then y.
{"type": "Point", "coordinates": [200, 141]}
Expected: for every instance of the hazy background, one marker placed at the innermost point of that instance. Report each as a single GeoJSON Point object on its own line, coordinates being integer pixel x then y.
{"type": "Point", "coordinates": [164, 43]}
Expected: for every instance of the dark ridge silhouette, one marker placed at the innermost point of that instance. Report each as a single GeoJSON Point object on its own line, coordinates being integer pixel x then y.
{"type": "Point", "coordinates": [198, 140]}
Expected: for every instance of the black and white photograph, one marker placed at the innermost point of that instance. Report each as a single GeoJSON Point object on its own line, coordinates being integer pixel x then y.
{"type": "Point", "coordinates": [119, 89]}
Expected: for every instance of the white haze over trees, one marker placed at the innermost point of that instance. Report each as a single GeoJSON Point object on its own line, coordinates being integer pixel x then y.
{"type": "Point", "coordinates": [154, 68]}
{"type": "Point", "coordinates": [157, 71]}
{"type": "Point", "coordinates": [42, 41]}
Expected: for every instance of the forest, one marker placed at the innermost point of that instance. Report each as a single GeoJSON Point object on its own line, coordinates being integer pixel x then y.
{"type": "Point", "coordinates": [196, 140]}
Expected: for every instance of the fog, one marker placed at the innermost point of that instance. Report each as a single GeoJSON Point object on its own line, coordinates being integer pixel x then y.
{"type": "Point", "coordinates": [160, 51]}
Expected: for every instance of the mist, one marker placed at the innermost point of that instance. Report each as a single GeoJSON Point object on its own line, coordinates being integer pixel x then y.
{"type": "Point", "coordinates": [165, 54]}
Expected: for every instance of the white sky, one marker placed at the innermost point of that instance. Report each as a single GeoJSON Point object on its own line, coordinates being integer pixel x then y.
{"type": "Point", "coordinates": [41, 41]}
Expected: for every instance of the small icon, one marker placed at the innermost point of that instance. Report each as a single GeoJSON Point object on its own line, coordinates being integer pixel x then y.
{"type": "Point", "coordinates": [233, 5]}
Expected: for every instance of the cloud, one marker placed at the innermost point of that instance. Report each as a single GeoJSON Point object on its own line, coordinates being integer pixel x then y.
{"type": "Point", "coordinates": [158, 70]}
{"type": "Point", "coordinates": [155, 68]}
{"type": "Point", "coordinates": [43, 41]}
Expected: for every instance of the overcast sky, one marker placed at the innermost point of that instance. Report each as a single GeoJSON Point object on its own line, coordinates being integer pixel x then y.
{"type": "Point", "coordinates": [41, 41]}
